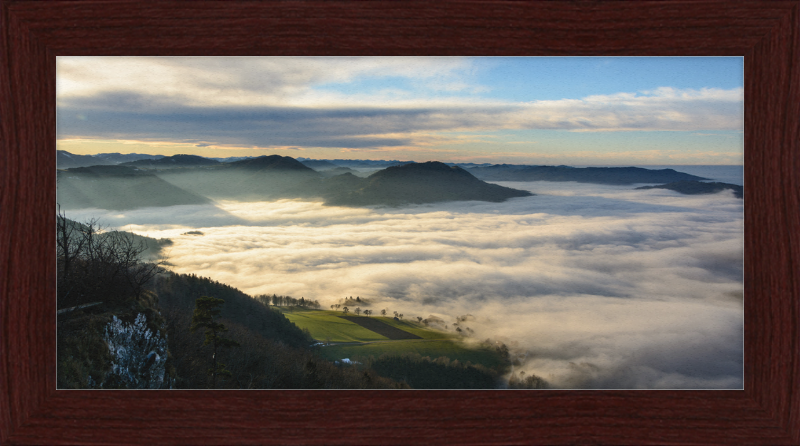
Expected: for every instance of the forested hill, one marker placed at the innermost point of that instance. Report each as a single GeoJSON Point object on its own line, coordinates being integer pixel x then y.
{"type": "Point", "coordinates": [178, 292]}
{"type": "Point", "coordinates": [272, 352]}
{"type": "Point", "coordinates": [428, 182]}
{"type": "Point", "coordinates": [597, 175]}
{"type": "Point", "coordinates": [123, 322]}
{"type": "Point", "coordinates": [252, 179]}
{"type": "Point", "coordinates": [196, 180]}
{"type": "Point", "coordinates": [118, 188]}
{"type": "Point", "coordinates": [699, 187]}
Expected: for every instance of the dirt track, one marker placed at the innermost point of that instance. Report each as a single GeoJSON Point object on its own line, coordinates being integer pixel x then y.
{"type": "Point", "coordinates": [381, 328]}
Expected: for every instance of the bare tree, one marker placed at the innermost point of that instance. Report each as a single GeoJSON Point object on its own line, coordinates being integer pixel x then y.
{"type": "Point", "coordinates": [99, 265]}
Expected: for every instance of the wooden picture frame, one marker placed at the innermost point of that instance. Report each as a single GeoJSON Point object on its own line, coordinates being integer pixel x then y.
{"type": "Point", "coordinates": [766, 34]}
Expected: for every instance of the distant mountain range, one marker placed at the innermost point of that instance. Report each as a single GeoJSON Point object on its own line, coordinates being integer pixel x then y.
{"type": "Point", "coordinates": [169, 162]}
{"type": "Point", "coordinates": [699, 187]}
{"type": "Point", "coordinates": [66, 160]}
{"type": "Point", "coordinates": [267, 177]}
{"type": "Point", "coordinates": [597, 175]}
{"type": "Point", "coordinates": [353, 164]}
{"type": "Point", "coordinates": [139, 181]}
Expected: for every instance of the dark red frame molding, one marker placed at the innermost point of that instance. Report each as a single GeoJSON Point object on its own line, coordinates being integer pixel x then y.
{"type": "Point", "coordinates": [766, 34]}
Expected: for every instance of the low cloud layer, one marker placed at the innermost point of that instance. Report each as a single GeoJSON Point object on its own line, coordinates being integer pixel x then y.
{"type": "Point", "coordinates": [592, 286]}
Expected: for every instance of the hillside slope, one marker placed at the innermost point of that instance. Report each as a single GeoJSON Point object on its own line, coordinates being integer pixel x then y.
{"type": "Point", "coordinates": [272, 352]}
{"type": "Point", "coordinates": [699, 187]}
{"type": "Point", "coordinates": [598, 175]}
{"type": "Point", "coordinates": [118, 188]}
{"type": "Point", "coordinates": [265, 177]}
{"type": "Point", "coordinates": [415, 183]}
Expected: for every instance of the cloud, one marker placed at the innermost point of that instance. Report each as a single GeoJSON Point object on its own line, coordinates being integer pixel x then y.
{"type": "Point", "coordinates": [662, 109]}
{"type": "Point", "coordinates": [249, 81]}
{"type": "Point", "coordinates": [131, 115]}
{"type": "Point", "coordinates": [592, 286]}
{"type": "Point", "coordinates": [280, 102]}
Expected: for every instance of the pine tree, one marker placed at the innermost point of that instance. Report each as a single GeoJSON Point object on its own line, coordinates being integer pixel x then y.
{"type": "Point", "coordinates": [206, 309]}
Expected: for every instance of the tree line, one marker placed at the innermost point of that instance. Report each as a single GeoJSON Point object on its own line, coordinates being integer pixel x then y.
{"type": "Point", "coordinates": [422, 372]}
{"type": "Point", "coordinates": [287, 301]}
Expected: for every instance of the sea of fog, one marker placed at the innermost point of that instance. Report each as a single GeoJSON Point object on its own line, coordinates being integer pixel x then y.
{"type": "Point", "coordinates": [592, 286]}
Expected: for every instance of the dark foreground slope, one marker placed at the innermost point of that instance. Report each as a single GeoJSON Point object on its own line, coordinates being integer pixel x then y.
{"type": "Point", "coordinates": [414, 183]}
{"type": "Point", "coordinates": [272, 353]}
{"type": "Point", "coordinates": [699, 187]}
{"type": "Point", "coordinates": [598, 175]}
{"type": "Point", "coordinates": [118, 188]}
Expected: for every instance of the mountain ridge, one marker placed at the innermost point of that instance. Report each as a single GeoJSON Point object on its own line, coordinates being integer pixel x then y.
{"type": "Point", "coordinates": [597, 175]}
{"type": "Point", "coordinates": [117, 187]}
{"type": "Point", "coordinates": [180, 160]}
{"type": "Point", "coordinates": [698, 188]}
{"type": "Point", "coordinates": [418, 183]}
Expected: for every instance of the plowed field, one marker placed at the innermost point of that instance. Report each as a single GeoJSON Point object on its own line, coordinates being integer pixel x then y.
{"type": "Point", "coordinates": [381, 328]}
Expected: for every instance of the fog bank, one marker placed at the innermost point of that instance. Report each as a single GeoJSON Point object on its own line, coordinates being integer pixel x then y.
{"type": "Point", "coordinates": [592, 286]}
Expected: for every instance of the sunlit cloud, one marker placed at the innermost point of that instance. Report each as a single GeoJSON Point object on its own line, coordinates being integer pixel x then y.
{"type": "Point", "coordinates": [285, 102]}
{"type": "Point", "coordinates": [249, 81]}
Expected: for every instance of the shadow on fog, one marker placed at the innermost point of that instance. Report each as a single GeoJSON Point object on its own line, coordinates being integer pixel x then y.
{"type": "Point", "coordinates": [193, 216]}
{"type": "Point", "coordinates": [542, 203]}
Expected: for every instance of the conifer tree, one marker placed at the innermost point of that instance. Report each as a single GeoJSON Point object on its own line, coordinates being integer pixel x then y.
{"type": "Point", "coordinates": [206, 309]}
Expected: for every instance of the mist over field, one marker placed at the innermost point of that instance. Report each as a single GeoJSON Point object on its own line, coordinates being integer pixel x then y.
{"type": "Point", "coordinates": [591, 286]}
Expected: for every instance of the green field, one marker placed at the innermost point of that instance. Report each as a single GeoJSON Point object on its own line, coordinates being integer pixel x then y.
{"type": "Point", "coordinates": [349, 340]}
{"type": "Point", "coordinates": [433, 349]}
{"type": "Point", "coordinates": [327, 326]}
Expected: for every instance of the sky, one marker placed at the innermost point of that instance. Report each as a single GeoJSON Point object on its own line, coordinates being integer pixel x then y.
{"type": "Point", "coordinates": [523, 110]}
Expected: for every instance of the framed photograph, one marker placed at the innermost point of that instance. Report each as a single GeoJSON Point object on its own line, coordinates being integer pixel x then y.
{"type": "Point", "coordinates": [162, 50]}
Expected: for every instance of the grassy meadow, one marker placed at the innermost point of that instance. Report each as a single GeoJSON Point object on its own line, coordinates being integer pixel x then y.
{"type": "Point", "coordinates": [347, 339]}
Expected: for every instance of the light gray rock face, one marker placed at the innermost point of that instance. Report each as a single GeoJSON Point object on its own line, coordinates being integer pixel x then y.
{"type": "Point", "coordinates": [139, 354]}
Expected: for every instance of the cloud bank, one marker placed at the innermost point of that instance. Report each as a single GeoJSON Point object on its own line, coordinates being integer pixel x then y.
{"type": "Point", "coordinates": [134, 116]}
{"type": "Point", "coordinates": [277, 102]}
{"type": "Point", "coordinates": [592, 286]}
